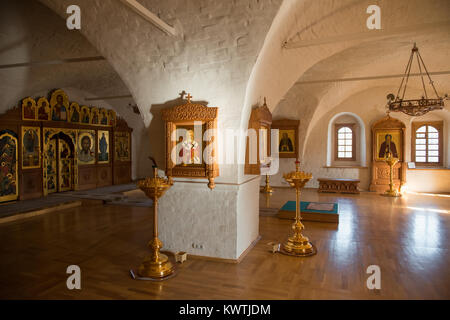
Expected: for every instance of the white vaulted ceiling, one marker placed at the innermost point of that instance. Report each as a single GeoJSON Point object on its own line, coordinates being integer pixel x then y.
{"type": "Point", "coordinates": [31, 32]}
{"type": "Point", "coordinates": [285, 75]}
{"type": "Point", "coordinates": [227, 53]}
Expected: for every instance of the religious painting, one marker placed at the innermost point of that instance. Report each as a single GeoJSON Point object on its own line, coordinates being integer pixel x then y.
{"type": "Point", "coordinates": [388, 141]}
{"type": "Point", "coordinates": [86, 147]}
{"type": "Point", "coordinates": [59, 103]}
{"type": "Point", "coordinates": [287, 137]}
{"type": "Point", "coordinates": [9, 189]}
{"type": "Point", "coordinates": [112, 118]}
{"type": "Point", "coordinates": [94, 115]}
{"type": "Point", "coordinates": [190, 145]}
{"type": "Point", "coordinates": [103, 117]}
{"type": "Point", "coordinates": [74, 112]}
{"type": "Point", "coordinates": [50, 166]}
{"type": "Point", "coordinates": [65, 166]}
{"type": "Point", "coordinates": [122, 146]}
{"type": "Point", "coordinates": [31, 147]}
{"type": "Point", "coordinates": [85, 115]}
{"type": "Point", "coordinates": [103, 147]}
{"type": "Point", "coordinates": [191, 141]}
{"type": "Point", "coordinates": [28, 109]}
{"type": "Point", "coordinates": [286, 141]}
{"type": "Point", "coordinates": [43, 109]}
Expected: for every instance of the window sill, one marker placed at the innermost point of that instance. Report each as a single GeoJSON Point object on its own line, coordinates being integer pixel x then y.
{"type": "Point", "coordinates": [429, 168]}
{"type": "Point", "coordinates": [344, 167]}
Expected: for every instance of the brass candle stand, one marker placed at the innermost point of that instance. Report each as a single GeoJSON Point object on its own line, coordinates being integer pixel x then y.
{"type": "Point", "coordinates": [267, 188]}
{"type": "Point", "coordinates": [298, 245]}
{"type": "Point", "coordinates": [157, 266]}
{"type": "Point", "coordinates": [391, 161]}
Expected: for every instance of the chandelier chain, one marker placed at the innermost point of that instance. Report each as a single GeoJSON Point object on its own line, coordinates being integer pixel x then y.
{"type": "Point", "coordinates": [421, 76]}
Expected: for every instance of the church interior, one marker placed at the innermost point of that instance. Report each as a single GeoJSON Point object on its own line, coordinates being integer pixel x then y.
{"type": "Point", "coordinates": [210, 149]}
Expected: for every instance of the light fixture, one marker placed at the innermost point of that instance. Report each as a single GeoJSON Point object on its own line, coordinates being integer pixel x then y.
{"type": "Point", "coordinates": [415, 107]}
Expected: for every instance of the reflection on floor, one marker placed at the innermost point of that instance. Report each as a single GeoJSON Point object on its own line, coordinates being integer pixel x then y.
{"type": "Point", "coordinates": [408, 238]}
{"type": "Point", "coordinates": [124, 194]}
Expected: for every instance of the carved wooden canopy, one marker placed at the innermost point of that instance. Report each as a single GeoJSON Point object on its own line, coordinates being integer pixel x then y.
{"type": "Point", "coordinates": [380, 170]}
{"type": "Point", "coordinates": [388, 122]}
{"type": "Point", "coordinates": [261, 114]}
{"type": "Point", "coordinates": [260, 118]}
{"type": "Point", "coordinates": [190, 112]}
{"type": "Point", "coordinates": [187, 115]}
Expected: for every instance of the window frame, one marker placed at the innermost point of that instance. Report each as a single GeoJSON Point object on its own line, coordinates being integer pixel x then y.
{"type": "Point", "coordinates": [439, 126]}
{"type": "Point", "coordinates": [338, 126]}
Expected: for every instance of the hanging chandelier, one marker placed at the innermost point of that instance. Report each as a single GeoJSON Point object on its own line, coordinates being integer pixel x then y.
{"type": "Point", "coordinates": [415, 107]}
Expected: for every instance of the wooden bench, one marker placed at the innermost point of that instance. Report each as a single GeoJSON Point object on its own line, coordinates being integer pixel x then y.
{"type": "Point", "coordinates": [338, 185]}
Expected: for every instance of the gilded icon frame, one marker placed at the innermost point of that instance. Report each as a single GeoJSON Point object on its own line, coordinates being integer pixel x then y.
{"type": "Point", "coordinates": [47, 109]}
{"type": "Point", "coordinates": [74, 107]}
{"type": "Point", "coordinates": [119, 138]}
{"type": "Point", "coordinates": [54, 102]}
{"type": "Point", "coordinates": [192, 114]}
{"type": "Point", "coordinates": [397, 139]}
{"type": "Point", "coordinates": [33, 108]}
{"type": "Point", "coordinates": [79, 146]}
{"type": "Point", "coordinates": [289, 127]}
{"type": "Point", "coordinates": [37, 132]}
{"type": "Point", "coordinates": [11, 135]}
{"type": "Point", "coordinates": [100, 134]}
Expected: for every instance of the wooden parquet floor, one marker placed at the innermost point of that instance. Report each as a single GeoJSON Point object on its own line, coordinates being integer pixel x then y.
{"type": "Point", "coordinates": [408, 238]}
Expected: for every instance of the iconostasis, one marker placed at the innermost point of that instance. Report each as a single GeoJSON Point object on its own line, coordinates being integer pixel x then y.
{"type": "Point", "coordinates": [50, 145]}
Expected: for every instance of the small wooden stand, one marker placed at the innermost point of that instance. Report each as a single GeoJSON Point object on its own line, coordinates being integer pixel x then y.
{"type": "Point", "coordinates": [338, 185]}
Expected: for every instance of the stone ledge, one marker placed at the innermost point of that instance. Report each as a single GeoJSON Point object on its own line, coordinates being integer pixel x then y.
{"type": "Point", "coordinates": [345, 167]}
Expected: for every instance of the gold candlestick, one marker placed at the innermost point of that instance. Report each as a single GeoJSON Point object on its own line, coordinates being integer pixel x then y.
{"type": "Point", "coordinates": [391, 161]}
{"type": "Point", "coordinates": [298, 245]}
{"type": "Point", "coordinates": [267, 188]}
{"type": "Point", "coordinates": [157, 266]}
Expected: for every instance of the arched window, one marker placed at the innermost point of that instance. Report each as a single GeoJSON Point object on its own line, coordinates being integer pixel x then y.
{"type": "Point", "coordinates": [351, 153]}
{"type": "Point", "coordinates": [427, 143]}
{"type": "Point", "coordinates": [345, 142]}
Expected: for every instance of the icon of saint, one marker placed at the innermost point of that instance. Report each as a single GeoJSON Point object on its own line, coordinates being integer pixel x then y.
{"type": "Point", "coordinates": [75, 116]}
{"type": "Point", "coordinates": [189, 150]}
{"type": "Point", "coordinates": [51, 183]}
{"type": "Point", "coordinates": [286, 144]}
{"type": "Point", "coordinates": [84, 116]}
{"type": "Point", "coordinates": [95, 118]}
{"type": "Point", "coordinates": [103, 146]}
{"type": "Point", "coordinates": [7, 168]}
{"type": "Point", "coordinates": [104, 119]}
{"type": "Point", "coordinates": [29, 112]}
{"type": "Point", "coordinates": [51, 152]}
{"type": "Point", "coordinates": [85, 154]}
{"type": "Point", "coordinates": [388, 146]}
{"type": "Point", "coordinates": [59, 110]}
{"type": "Point", "coordinates": [42, 112]}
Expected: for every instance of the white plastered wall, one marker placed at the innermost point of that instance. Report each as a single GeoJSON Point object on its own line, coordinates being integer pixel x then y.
{"type": "Point", "coordinates": [211, 57]}
{"type": "Point", "coordinates": [368, 106]}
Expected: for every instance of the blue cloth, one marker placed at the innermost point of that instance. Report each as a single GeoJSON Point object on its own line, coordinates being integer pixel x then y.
{"type": "Point", "coordinates": [290, 206]}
